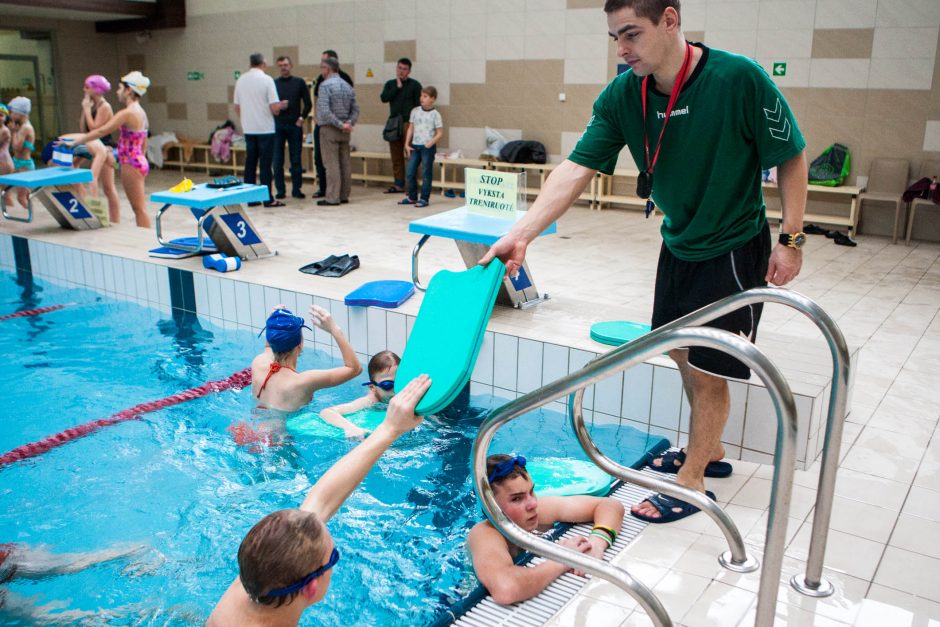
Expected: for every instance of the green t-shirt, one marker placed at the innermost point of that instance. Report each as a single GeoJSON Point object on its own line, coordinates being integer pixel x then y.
{"type": "Point", "coordinates": [729, 123]}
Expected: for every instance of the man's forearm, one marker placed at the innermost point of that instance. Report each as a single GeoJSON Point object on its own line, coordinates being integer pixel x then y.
{"type": "Point", "coordinates": [792, 177]}
{"type": "Point", "coordinates": [563, 186]}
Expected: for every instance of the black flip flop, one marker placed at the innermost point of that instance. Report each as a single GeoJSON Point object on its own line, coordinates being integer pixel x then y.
{"type": "Point", "coordinates": [319, 266]}
{"type": "Point", "coordinates": [274, 203]}
{"type": "Point", "coordinates": [667, 506]}
{"type": "Point", "coordinates": [714, 470]}
{"type": "Point", "coordinates": [342, 267]}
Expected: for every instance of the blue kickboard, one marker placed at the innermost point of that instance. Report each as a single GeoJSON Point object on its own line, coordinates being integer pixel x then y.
{"type": "Point", "coordinates": [202, 197]}
{"type": "Point", "coordinates": [388, 294]}
{"type": "Point", "coordinates": [33, 179]}
{"type": "Point", "coordinates": [461, 225]}
{"type": "Point", "coordinates": [617, 332]}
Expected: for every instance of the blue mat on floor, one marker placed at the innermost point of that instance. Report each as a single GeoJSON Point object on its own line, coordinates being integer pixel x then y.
{"type": "Point", "coordinates": [388, 294]}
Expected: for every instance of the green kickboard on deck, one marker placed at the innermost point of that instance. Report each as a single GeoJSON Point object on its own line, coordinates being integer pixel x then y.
{"type": "Point", "coordinates": [558, 476]}
{"type": "Point", "coordinates": [448, 332]}
{"type": "Point", "coordinates": [310, 425]}
{"type": "Point", "coordinates": [617, 332]}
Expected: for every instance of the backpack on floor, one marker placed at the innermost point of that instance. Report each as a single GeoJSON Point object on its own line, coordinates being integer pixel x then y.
{"type": "Point", "coordinates": [831, 167]}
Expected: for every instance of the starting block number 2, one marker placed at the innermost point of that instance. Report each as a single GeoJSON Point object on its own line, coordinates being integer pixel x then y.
{"type": "Point", "coordinates": [241, 228]}
{"type": "Point", "coordinates": [71, 204]}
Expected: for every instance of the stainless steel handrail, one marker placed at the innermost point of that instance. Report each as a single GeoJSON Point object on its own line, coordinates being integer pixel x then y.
{"type": "Point", "coordinates": [812, 583]}
{"type": "Point", "coordinates": [415, 278]}
{"type": "Point", "coordinates": [617, 361]}
{"type": "Point", "coordinates": [29, 205]}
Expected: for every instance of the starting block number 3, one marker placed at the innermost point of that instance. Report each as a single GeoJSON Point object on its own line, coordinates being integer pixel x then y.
{"type": "Point", "coordinates": [72, 205]}
{"type": "Point", "coordinates": [241, 228]}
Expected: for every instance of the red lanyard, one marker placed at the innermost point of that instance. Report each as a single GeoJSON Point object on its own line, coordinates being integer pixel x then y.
{"type": "Point", "coordinates": [673, 97]}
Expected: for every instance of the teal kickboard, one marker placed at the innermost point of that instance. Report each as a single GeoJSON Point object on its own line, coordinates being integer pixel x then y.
{"type": "Point", "coordinates": [558, 476]}
{"type": "Point", "coordinates": [311, 425]}
{"type": "Point", "coordinates": [448, 333]}
{"type": "Point", "coordinates": [617, 332]}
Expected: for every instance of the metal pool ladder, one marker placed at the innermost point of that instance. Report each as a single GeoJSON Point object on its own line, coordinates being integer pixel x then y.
{"type": "Point", "coordinates": [685, 332]}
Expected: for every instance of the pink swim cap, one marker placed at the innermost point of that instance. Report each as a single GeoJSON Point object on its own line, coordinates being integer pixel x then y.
{"type": "Point", "coordinates": [98, 84]}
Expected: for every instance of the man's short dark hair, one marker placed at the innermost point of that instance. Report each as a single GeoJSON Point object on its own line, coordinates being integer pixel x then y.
{"type": "Point", "coordinates": [284, 57]}
{"type": "Point", "coordinates": [255, 59]}
{"type": "Point", "coordinates": [331, 63]}
{"type": "Point", "coordinates": [650, 9]}
{"type": "Point", "coordinates": [405, 61]}
{"type": "Point", "coordinates": [331, 53]}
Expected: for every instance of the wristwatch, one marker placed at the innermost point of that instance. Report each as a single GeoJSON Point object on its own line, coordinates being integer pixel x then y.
{"type": "Point", "coordinates": [793, 240]}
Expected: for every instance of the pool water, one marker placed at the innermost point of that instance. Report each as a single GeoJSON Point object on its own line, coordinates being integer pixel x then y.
{"type": "Point", "coordinates": [176, 481]}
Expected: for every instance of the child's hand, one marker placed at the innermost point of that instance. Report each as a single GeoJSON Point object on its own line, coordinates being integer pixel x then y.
{"type": "Point", "coordinates": [323, 319]}
{"type": "Point", "coordinates": [86, 102]}
{"type": "Point", "coordinates": [401, 409]}
{"type": "Point", "coordinates": [408, 150]}
{"type": "Point", "coordinates": [428, 144]}
{"type": "Point", "coordinates": [355, 433]}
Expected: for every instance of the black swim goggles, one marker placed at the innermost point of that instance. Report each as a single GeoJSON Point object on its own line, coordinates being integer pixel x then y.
{"type": "Point", "coordinates": [505, 468]}
{"type": "Point", "coordinates": [388, 385]}
{"type": "Point", "coordinates": [295, 587]}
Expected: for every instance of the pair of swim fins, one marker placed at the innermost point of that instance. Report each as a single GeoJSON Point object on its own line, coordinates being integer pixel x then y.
{"type": "Point", "coordinates": [333, 266]}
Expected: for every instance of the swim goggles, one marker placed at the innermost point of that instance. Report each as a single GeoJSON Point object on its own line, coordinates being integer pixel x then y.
{"type": "Point", "coordinates": [504, 468]}
{"type": "Point", "coordinates": [294, 587]}
{"type": "Point", "coordinates": [388, 385]}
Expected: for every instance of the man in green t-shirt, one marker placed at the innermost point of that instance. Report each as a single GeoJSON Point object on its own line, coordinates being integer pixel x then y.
{"type": "Point", "coordinates": [701, 124]}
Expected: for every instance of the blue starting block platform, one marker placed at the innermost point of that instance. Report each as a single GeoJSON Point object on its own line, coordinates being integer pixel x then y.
{"type": "Point", "coordinates": [474, 234]}
{"type": "Point", "coordinates": [219, 217]}
{"type": "Point", "coordinates": [67, 209]}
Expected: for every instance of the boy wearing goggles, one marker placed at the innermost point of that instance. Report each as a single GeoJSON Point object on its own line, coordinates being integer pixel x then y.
{"type": "Point", "coordinates": [381, 384]}
{"type": "Point", "coordinates": [285, 562]}
{"type": "Point", "coordinates": [493, 554]}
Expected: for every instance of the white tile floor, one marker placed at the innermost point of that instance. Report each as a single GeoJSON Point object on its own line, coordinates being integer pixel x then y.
{"type": "Point", "coordinates": [884, 546]}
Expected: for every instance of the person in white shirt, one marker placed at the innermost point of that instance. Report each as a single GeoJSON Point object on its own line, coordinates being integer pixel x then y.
{"type": "Point", "coordinates": [256, 103]}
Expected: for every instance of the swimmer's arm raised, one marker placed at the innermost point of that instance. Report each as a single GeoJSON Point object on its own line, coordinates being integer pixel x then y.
{"type": "Point", "coordinates": [318, 379]}
{"type": "Point", "coordinates": [334, 487]}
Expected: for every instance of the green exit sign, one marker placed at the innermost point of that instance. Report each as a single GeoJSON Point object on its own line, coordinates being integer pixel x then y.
{"type": "Point", "coordinates": [194, 76]}
{"type": "Point", "coordinates": [780, 69]}
{"type": "Point", "coordinates": [237, 74]}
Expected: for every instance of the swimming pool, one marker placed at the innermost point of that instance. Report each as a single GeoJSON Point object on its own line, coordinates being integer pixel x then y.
{"type": "Point", "coordinates": [176, 480]}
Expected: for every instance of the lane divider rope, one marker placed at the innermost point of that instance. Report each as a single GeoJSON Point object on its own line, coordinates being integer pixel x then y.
{"type": "Point", "coordinates": [237, 381]}
{"type": "Point", "coordinates": [34, 312]}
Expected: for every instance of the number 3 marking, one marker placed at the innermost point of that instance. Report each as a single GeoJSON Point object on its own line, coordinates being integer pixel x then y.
{"type": "Point", "coordinates": [242, 232]}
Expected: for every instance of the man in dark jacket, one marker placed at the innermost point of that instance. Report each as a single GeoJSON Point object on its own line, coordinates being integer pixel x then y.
{"type": "Point", "coordinates": [317, 155]}
{"type": "Point", "coordinates": [289, 127]}
{"type": "Point", "coordinates": [402, 94]}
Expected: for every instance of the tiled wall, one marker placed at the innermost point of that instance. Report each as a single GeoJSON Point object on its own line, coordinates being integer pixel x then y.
{"type": "Point", "coordinates": [648, 397]}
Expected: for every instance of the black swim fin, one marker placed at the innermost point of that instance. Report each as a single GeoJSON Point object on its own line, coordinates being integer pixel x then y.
{"type": "Point", "coordinates": [342, 267]}
{"type": "Point", "coordinates": [319, 266]}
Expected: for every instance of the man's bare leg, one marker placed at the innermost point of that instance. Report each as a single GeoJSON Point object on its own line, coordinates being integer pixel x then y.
{"type": "Point", "coordinates": [710, 400]}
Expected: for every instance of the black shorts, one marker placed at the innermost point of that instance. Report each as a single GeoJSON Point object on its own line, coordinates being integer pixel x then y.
{"type": "Point", "coordinates": [684, 286]}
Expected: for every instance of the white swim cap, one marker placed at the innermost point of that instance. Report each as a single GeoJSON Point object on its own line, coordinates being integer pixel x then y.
{"type": "Point", "coordinates": [137, 82]}
{"type": "Point", "coordinates": [20, 104]}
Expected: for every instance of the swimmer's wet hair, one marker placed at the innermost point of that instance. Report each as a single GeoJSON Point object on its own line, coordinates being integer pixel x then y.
{"type": "Point", "coordinates": [281, 549]}
{"type": "Point", "coordinates": [650, 9]}
{"type": "Point", "coordinates": [495, 460]}
{"type": "Point", "coordinates": [382, 361]}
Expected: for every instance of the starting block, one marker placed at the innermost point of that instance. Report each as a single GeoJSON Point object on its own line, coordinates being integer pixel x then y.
{"type": "Point", "coordinates": [473, 234]}
{"type": "Point", "coordinates": [44, 184]}
{"type": "Point", "coordinates": [220, 217]}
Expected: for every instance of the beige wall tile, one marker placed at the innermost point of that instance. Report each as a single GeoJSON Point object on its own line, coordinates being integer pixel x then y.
{"type": "Point", "coordinates": [905, 43]}
{"type": "Point", "coordinates": [901, 73]}
{"type": "Point", "coordinates": [136, 62]}
{"type": "Point", "coordinates": [176, 111]}
{"type": "Point", "coordinates": [217, 111]}
{"type": "Point", "coordinates": [156, 94]}
{"type": "Point", "coordinates": [395, 50]}
{"type": "Point", "coordinates": [798, 14]}
{"type": "Point", "coordinates": [308, 72]}
{"type": "Point", "coordinates": [585, 4]}
{"type": "Point", "coordinates": [694, 35]}
{"type": "Point", "coordinates": [839, 73]}
{"type": "Point", "coordinates": [843, 43]}
{"type": "Point", "coordinates": [845, 13]}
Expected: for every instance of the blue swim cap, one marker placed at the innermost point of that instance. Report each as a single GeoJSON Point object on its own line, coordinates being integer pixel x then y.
{"type": "Point", "coordinates": [282, 330]}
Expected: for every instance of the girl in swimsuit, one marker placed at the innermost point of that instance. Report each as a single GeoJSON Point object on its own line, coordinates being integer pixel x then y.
{"type": "Point", "coordinates": [132, 122]}
{"type": "Point", "coordinates": [22, 142]}
{"type": "Point", "coordinates": [96, 112]}
{"type": "Point", "coordinates": [6, 161]}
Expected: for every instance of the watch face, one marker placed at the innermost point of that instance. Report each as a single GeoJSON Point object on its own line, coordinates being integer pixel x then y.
{"type": "Point", "coordinates": [799, 239]}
